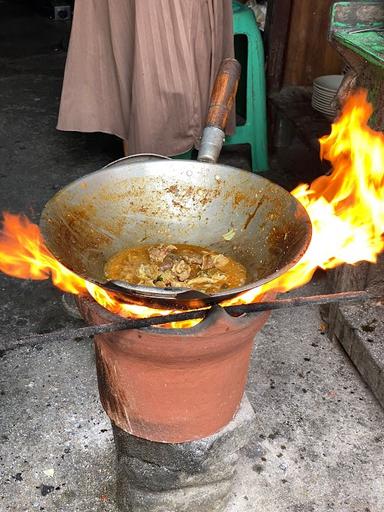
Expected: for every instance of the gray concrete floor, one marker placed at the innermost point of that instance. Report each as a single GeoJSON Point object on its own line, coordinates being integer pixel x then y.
{"type": "Point", "coordinates": [320, 441]}
{"type": "Point", "coordinates": [320, 431]}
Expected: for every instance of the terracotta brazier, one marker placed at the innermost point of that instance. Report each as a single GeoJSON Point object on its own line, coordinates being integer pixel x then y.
{"type": "Point", "coordinates": [173, 385]}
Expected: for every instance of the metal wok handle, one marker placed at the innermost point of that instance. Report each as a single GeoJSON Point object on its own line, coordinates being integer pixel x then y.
{"type": "Point", "coordinates": [222, 100]}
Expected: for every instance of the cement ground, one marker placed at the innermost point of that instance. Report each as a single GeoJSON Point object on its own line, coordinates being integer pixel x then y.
{"type": "Point", "coordinates": [319, 445]}
{"type": "Point", "coordinates": [320, 441]}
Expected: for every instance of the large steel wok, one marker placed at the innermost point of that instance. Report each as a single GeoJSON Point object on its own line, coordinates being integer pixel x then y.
{"type": "Point", "coordinates": [135, 202]}
{"type": "Point", "coordinates": [152, 200]}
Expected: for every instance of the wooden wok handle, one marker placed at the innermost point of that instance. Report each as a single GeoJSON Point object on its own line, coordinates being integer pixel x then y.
{"type": "Point", "coordinates": [224, 93]}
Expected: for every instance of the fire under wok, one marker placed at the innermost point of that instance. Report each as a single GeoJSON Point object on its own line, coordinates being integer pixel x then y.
{"type": "Point", "coordinates": [149, 200]}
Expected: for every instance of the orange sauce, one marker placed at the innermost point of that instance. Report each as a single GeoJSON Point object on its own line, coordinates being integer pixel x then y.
{"type": "Point", "coordinates": [127, 266]}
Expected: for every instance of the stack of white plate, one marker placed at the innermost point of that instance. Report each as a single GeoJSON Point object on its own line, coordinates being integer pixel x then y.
{"type": "Point", "coordinates": [324, 92]}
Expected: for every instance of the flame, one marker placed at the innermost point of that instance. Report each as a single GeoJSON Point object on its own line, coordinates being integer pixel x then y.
{"type": "Point", "coordinates": [23, 254]}
{"type": "Point", "coordinates": [346, 209]}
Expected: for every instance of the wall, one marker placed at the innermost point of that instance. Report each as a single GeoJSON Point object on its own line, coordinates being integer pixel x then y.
{"type": "Point", "coordinates": [308, 52]}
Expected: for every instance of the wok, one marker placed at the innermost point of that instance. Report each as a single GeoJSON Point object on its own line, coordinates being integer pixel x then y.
{"type": "Point", "coordinates": [138, 201]}
{"type": "Point", "coordinates": [149, 199]}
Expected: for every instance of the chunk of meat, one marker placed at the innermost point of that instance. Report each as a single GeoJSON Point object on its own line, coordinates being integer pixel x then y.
{"type": "Point", "coordinates": [182, 270]}
{"type": "Point", "coordinates": [169, 261]}
{"type": "Point", "coordinates": [214, 261]}
{"type": "Point", "coordinates": [193, 258]}
{"type": "Point", "coordinates": [206, 279]}
{"type": "Point", "coordinates": [220, 261]}
{"type": "Point", "coordinates": [158, 253]}
{"type": "Point", "coordinates": [147, 273]}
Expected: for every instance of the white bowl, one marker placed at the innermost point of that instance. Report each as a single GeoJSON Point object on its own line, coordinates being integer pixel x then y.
{"type": "Point", "coordinates": [320, 90]}
{"type": "Point", "coordinates": [324, 110]}
{"type": "Point", "coordinates": [326, 99]}
{"type": "Point", "coordinates": [328, 82]}
{"type": "Point", "coordinates": [323, 103]}
{"type": "Point", "coordinates": [327, 106]}
{"type": "Point", "coordinates": [322, 94]}
{"type": "Point", "coordinates": [323, 107]}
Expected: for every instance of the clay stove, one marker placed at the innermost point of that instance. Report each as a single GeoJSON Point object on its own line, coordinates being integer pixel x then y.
{"type": "Point", "coordinates": [176, 401]}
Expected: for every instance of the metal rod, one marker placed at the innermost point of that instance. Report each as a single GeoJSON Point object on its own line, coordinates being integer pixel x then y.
{"type": "Point", "coordinates": [140, 323]}
{"type": "Point", "coordinates": [361, 30]}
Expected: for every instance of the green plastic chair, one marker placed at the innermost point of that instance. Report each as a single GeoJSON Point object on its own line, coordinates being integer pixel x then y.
{"type": "Point", "coordinates": [251, 96]}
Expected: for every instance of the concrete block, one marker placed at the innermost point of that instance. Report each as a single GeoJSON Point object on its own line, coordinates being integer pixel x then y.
{"type": "Point", "coordinates": [360, 330]}
{"type": "Point", "coordinates": [194, 476]}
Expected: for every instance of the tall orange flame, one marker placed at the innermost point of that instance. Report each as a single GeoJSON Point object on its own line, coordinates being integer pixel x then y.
{"type": "Point", "coordinates": [346, 209]}
{"type": "Point", "coordinates": [23, 254]}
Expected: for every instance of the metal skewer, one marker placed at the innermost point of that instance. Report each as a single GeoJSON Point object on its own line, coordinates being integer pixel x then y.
{"type": "Point", "coordinates": [140, 323]}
